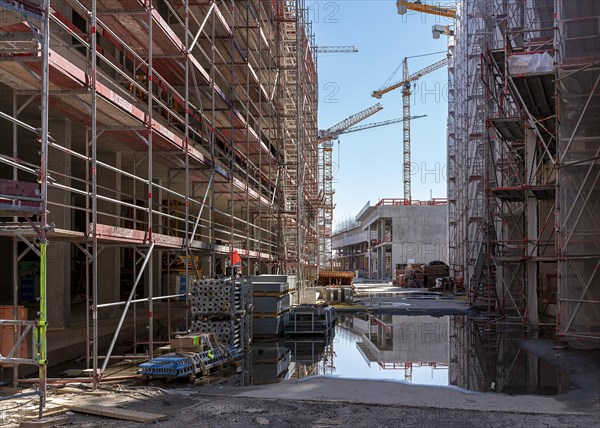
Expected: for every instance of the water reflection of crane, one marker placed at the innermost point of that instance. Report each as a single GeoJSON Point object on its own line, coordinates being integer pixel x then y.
{"type": "Point", "coordinates": [408, 366]}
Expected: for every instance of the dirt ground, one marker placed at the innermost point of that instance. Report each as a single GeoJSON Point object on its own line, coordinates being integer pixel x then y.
{"type": "Point", "coordinates": [248, 412]}
{"type": "Point", "coordinates": [186, 406]}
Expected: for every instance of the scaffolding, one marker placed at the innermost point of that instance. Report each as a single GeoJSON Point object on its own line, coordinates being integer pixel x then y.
{"type": "Point", "coordinates": [172, 134]}
{"type": "Point", "coordinates": [299, 165]}
{"type": "Point", "coordinates": [467, 150]}
{"type": "Point", "coordinates": [577, 192]}
{"type": "Point", "coordinates": [522, 162]}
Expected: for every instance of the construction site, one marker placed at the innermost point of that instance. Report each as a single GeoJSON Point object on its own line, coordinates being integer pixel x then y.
{"type": "Point", "coordinates": [167, 191]}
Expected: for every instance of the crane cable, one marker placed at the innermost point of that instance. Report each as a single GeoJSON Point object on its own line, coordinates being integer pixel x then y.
{"type": "Point", "coordinates": [389, 80]}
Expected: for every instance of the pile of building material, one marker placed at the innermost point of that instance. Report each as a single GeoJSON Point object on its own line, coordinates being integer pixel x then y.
{"type": "Point", "coordinates": [435, 270]}
{"type": "Point", "coordinates": [418, 275]}
{"type": "Point", "coordinates": [311, 319]}
{"type": "Point", "coordinates": [413, 276]}
{"type": "Point", "coordinates": [222, 307]}
{"type": "Point", "coordinates": [329, 278]}
{"type": "Point", "coordinates": [271, 299]}
{"type": "Point", "coordinates": [196, 355]}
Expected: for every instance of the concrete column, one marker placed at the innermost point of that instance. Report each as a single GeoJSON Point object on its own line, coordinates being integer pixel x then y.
{"type": "Point", "coordinates": [381, 262]}
{"type": "Point", "coordinates": [59, 253]}
{"type": "Point", "coordinates": [205, 266]}
{"type": "Point", "coordinates": [532, 234]}
{"type": "Point", "coordinates": [381, 335]}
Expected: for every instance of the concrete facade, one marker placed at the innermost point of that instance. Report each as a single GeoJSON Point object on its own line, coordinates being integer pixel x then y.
{"type": "Point", "coordinates": [385, 236]}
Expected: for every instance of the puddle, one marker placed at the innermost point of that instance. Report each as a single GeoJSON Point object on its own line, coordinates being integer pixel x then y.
{"type": "Point", "coordinates": [452, 351]}
{"type": "Point", "coordinates": [457, 351]}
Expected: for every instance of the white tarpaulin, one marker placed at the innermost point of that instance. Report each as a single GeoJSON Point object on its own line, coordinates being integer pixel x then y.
{"type": "Point", "coordinates": [531, 64]}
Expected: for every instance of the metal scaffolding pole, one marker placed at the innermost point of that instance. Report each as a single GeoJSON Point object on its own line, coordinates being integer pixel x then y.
{"type": "Point", "coordinates": [150, 185]}
{"type": "Point", "coordinates": [186, 95]}
{"type": "Point", "coordinates": [94, 171]}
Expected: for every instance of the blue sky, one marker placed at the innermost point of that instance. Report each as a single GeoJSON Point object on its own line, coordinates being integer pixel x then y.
{"type": "Point", "coordinates": [368, 164]}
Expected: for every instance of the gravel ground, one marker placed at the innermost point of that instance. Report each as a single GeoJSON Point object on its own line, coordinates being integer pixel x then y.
{"type": "Point", "coordinates": [249, 412]}
{"type": "Point", "coordinates": [186, 406]}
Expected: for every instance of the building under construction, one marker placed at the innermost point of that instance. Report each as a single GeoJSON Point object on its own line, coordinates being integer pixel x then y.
{"type": "Point", "coordinates": [143, 142]}
{"type": "Point", "coordinates": [523, 164]}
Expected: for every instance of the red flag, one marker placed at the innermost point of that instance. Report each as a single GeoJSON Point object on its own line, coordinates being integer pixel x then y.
{"type": "Point", "coordinates": [235, 258]}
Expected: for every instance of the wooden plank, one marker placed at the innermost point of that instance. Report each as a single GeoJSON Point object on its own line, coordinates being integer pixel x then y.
{"type": "Point", "coordinates": [48, 411]}
{"type": "Point", "coordinates": [47, 422]}
{"type": "Point", "coordinates": [70, 390]}
{"type": "Point", "coordinates": [110, 412]}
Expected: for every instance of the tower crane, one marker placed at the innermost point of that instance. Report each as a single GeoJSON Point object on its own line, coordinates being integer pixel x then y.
{"type": "Point", "coordinates": [326, 136]}
{"type": "Point", "coordinates": [418, 6]}
{"type": "Point", "coordinates": [332, 132]}
{"type": "Point", "coordinates": [405, 83]}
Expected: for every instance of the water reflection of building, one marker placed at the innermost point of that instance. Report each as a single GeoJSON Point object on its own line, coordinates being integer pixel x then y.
{"type": "Point", "coordinates": [311, 356]}
{"type": "Point", "coordinates": [486, 357]}
{"type": "Point", "coordinates": [400, 342]}
{"type": "Point", "coordinates": [270, 362]}
{"type": "Point", "coordinates": [292, 358]}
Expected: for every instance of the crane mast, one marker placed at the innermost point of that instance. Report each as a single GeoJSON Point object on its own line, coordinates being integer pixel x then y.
{"type": "Point", "coordinates": [405, 84]}
{"type": "Point", "coordinates": [406, 167]}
